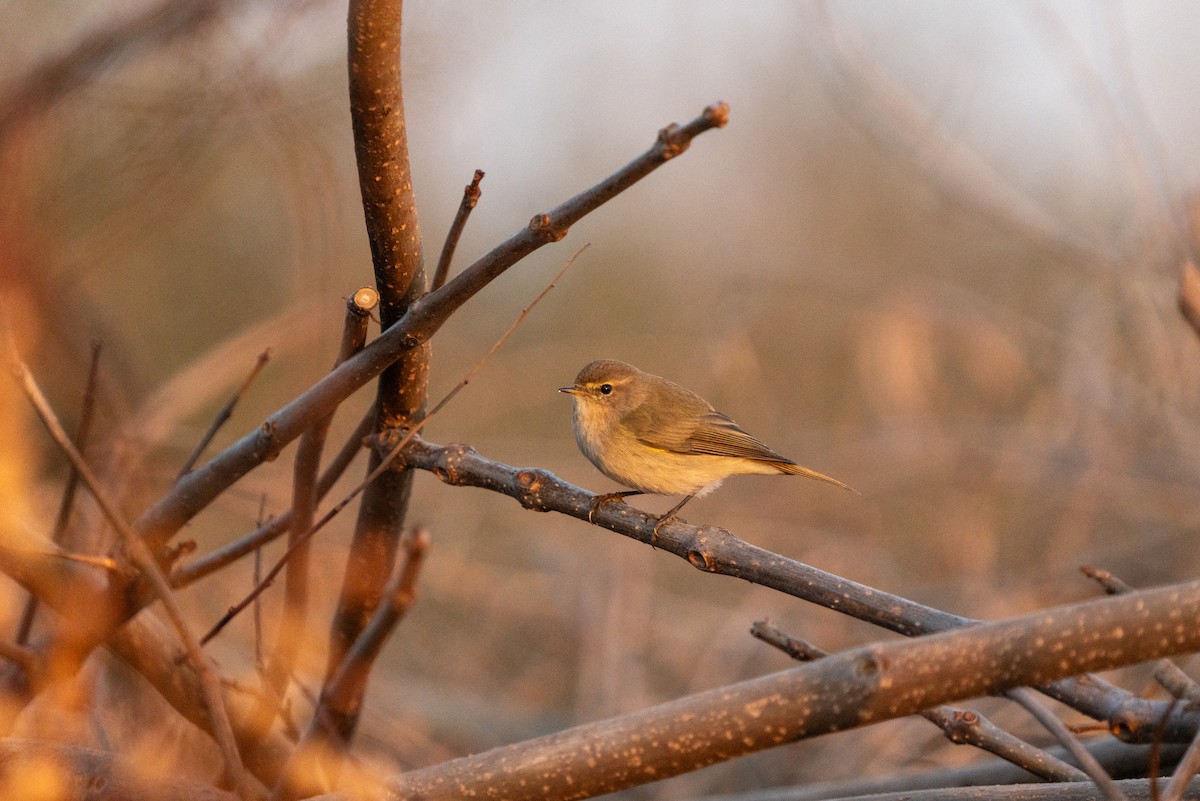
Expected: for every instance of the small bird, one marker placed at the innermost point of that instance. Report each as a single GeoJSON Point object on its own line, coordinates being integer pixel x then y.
{"type": "Point", "coordinates": [660, 438]}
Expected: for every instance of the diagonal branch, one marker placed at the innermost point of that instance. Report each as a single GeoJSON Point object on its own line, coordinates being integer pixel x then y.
{"type": "Point", "coordinates": [961, 726]}
{"type": "Point", "coordinates": [858, 687]}
{"type": "Point", "coordinates": [316, 762]}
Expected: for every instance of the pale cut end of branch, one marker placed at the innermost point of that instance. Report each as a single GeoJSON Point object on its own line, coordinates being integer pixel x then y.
{"type": "Point", "coordinates": [365, 299]}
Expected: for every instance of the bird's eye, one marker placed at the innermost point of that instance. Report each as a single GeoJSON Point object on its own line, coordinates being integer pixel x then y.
{"type": "Point", "coordinates": [606, 389]}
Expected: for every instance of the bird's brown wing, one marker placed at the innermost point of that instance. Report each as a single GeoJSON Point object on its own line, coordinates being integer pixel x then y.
{"type": "Point", "coordinates": [717, 435]}
{"type": "Point", "coordinates": [695, 428]}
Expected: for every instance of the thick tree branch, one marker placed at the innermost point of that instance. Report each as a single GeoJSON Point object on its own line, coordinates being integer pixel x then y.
{"type": "Point", "coordinates": [961, 726]}
{"type": "Point", "coordinates": [843, 691]}
{"type": "Point", "coordinates": [390, 211]}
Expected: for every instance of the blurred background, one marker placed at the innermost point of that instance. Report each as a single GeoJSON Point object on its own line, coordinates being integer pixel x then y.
{"type": "Point", "coordinates": [935, 254]}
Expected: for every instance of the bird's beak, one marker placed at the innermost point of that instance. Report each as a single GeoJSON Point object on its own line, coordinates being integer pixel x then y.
{"type": "Point", "coordinates": [576, 391]}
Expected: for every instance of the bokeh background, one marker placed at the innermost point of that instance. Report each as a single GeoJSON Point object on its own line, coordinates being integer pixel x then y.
{"type": "Point", "coordinates": [935, 254]}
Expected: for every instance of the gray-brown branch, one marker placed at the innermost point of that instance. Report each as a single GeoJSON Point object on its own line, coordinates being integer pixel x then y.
{"type": "Point", "coordinates": [844, 691]}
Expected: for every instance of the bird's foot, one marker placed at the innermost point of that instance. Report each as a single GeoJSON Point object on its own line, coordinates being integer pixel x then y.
{"type": "Point", "coordinates": [599, 501]}
{"type": "Point", "coordinates": [669, 517]}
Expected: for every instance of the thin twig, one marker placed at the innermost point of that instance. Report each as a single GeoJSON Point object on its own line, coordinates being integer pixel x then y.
{"type": "Point", "coordinates": [961, 726]}
{"type": "Point", "coordinates": [470, 197]}
{"type": "Point", "coordinates": [386, 462]}
{"type": "Point", "coordinates": [1034, 706]}
{"type": "Point", "coordinates": [142, 557]}
{"type": "Point", "coordinates": [224, 414]}
{"type": "Point", "coordinates": [259, 664]}
{"type": "Point", "coordinates": [86, 410]}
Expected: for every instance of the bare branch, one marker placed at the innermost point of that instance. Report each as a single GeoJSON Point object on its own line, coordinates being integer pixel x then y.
{"type": "Point", "coordinates": [1134, 789]}
{"type": "Point", "coordinates": [386, 460]}
{"type": "Point", "coordinates": [961, 726]}
{"type": "Point", "coordinates": [470, 198]}
{"type": "Point", "coordinates": [390, 211]}
{"type": "Point", "coordinates": [1032, 704]}
{"type": "Point", "coordinates": [1120, 759]}
{"type": "Point", "coordinates": [1166, 672]}
{"type": "Point", "coordinates": [847, 690]}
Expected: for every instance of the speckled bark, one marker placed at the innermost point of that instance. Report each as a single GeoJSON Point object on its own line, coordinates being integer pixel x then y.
{"type": "Point", "coordinates": [390, 212]}
{"type": "Point", "coordinates": [843, 691]}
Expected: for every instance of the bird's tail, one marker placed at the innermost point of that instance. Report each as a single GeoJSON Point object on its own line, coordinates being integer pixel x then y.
{"type": "Point", "coordinates": [794, 469]}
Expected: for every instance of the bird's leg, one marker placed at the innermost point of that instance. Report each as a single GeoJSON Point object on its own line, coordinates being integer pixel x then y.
{"type": "Point", "coordinates": [668, 517]}
{"type": "Point", "coordinates": [608, 497]}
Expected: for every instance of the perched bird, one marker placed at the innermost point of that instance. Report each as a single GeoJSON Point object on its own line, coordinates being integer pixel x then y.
{"type": "Point", "coordinates": [659, 438]}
